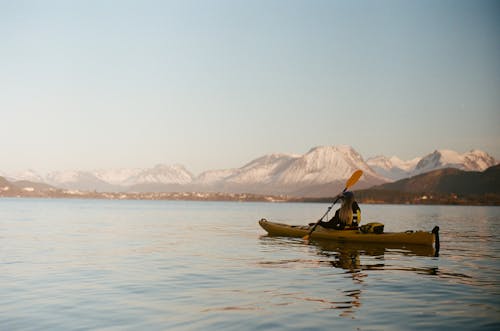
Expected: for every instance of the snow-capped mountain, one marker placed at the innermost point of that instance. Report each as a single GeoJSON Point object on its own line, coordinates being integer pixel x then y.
{"type": "Point", "coordinates": [327, 164]}
{"type": "Point", "coordinates": [117, 179]}
{"type": "Point", "coordinates": [262, 170]}
{"type": "Point", "coordinates": [393, 168]}
{"type": "Point", "coordinates": [30, 175]}
{"type": "Point", "coordinates": [78, 180]}
{"type": "Point", "coordinates": [213, 177]}
{"type": "Point", "coordinates": [265, 169]}
{"type": "Point", "coordinates": [163, 174]}
{"type": "Point", "coordinates": [160, 174]}
{"type": "Point", "coordinates": [119, 176]}
{"type": "Point", "coordinates": [474, 160]}
{"type": "Point", "coordinates": [322, 171]}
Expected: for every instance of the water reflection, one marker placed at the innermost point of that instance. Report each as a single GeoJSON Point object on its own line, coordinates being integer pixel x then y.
{"type": "Point", "coordinates": [355, 260]}
{"type": "Point", "coordinates": [374, 249]}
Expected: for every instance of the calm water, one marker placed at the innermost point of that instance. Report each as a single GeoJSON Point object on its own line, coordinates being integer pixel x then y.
{"type": "Point", "coordinates": [158, 265]}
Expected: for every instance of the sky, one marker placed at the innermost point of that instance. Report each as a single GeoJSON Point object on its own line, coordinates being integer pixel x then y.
{"type": "Point", "coordinates": [214, 84]}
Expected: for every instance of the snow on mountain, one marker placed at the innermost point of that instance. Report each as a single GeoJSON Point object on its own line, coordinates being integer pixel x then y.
{"type": "Point", "coordinates": [259, 171]}
{"type": "Point", "coordinates": [474, 160]}
{"type": "Point", "coordinates": [117, 176]}
{"type": "Point", "coordinates": [77, 180]}
{"type": "Point", "coordinates": [212, 177]}
{"type": "Point", "coordinates": [327, 164]}
{"type": "Point", "coordinates": [263, 170]}
{"type": "Point", "coordinates": [320, 165]}
{"type": "Point", "coordinates": [119, 179]}
{"type": "Point", "coordinates": [321, 171]}
{"type": "Point", "coordinates": [29, 175]}
{"type": "Point", "coordinates": [308, 174]}
{"type": "Point", "coordinates": [61, 177]}
{"type": "Point", "coordinates": [393, 168]}
{"type": "Point", "coordinates": [161, 174]}
{"type": "Point", "coordinates": [383, 162]}
{"type": "Point", "coordinates": [477, 160]}
{"type": "Point", "coordinates": [404, 165]}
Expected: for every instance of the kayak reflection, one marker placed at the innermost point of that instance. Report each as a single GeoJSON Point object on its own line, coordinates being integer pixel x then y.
{"type": "Point", "coordinates": [374, 249]}
{"type": "Point", "coordinates": [347, 255]}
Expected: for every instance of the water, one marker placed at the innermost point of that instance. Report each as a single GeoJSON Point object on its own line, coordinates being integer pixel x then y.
{"type": "Point", "coordinates": [163, 265]}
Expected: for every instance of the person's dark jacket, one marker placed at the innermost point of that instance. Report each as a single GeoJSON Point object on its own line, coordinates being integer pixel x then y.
{"type": "Point", "coordinates": [337, 224]}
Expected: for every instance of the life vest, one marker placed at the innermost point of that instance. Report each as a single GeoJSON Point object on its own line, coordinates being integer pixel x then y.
{"type": "Point", "coordinates": [356, 218]}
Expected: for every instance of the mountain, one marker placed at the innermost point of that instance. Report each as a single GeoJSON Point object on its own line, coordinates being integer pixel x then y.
{"type": "Point", "coordinates": [321, 171]}
{"type": "Point", "coordinates": [120, 176]}
{"type": "Point", "coordinates": [7, 188]}
{"type": "Point", "coordinates": [395, 168]}
{"type": "Point", "coordinates": [164, 174]}
{"type": "Point", "coordinates": [259, 174]}
{"type": "Point", "coordinates": [120, 179]}
{"type": "Point", "coordinates": [161, 178]}
{"type": "Point", "coordinates": [79, 180]}
{"type": "Point", "coordinates": [449, 180]}
{"type": "Point", "coordinates": [25, 188]}
{"type": "Point", "coordinates": [442, 186]}
{"type": "Point", "coordinates": [326, 164]}
{"type": "Point", "coordinates": [263, 170]}
{"type": "Point", "coordinates": [33, 186]}
{"type": "Point", "coordinates": [474, 160]}
{"type": "Point", "coordinates": [29, 175]}
{"type": "Point", "coordinates": [214, 177]}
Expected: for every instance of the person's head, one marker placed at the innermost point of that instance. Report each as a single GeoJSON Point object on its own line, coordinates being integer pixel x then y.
{"type": "Point", "coordinates": [347, 197]}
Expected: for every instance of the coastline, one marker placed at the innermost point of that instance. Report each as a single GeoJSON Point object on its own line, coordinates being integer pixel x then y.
{"type": "Point", "coordinates": [365, 197]}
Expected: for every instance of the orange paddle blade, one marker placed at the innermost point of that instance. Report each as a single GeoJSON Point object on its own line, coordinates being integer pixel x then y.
{"type": "Point", "coordinates": [354, 179]}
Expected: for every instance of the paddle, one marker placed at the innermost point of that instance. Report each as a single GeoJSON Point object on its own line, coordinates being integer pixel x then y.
{"type": "Point", "coordinates": [350, 182]}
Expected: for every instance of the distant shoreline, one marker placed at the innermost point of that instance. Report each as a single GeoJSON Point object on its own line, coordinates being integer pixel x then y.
{"type": "Point", "coordinates": [364, 197]}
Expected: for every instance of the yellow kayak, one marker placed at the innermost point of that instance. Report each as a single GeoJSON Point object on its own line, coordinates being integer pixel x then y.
{"type": "Point", "coordinates": [408, 237]}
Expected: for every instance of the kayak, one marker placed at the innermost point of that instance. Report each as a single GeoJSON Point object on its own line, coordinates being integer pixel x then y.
{"type": "Point", "coordinates": [408, 237]}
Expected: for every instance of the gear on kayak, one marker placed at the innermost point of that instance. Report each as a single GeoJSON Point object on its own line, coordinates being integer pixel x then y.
{"type": "Point", "coordinates": [373, 227]}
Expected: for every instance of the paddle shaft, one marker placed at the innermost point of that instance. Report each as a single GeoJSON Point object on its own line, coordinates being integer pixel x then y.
{"type": "Point", "coordinates": [326, 213]}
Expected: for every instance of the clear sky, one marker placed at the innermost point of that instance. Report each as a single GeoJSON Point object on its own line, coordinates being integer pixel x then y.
{"type": "Point", "coordinates": [214, 84]}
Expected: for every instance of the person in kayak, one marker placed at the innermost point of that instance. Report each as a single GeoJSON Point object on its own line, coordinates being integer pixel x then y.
{"type": "Point", "coordinates": [347, 216]}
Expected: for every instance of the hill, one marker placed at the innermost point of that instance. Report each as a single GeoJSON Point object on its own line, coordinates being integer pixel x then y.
{"type": "Point", "coordinates": [446, 186]}
{"type": "Point", "coordinates": [450, 180]}
{"type": "Point", "coordinates": [25, 188]}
